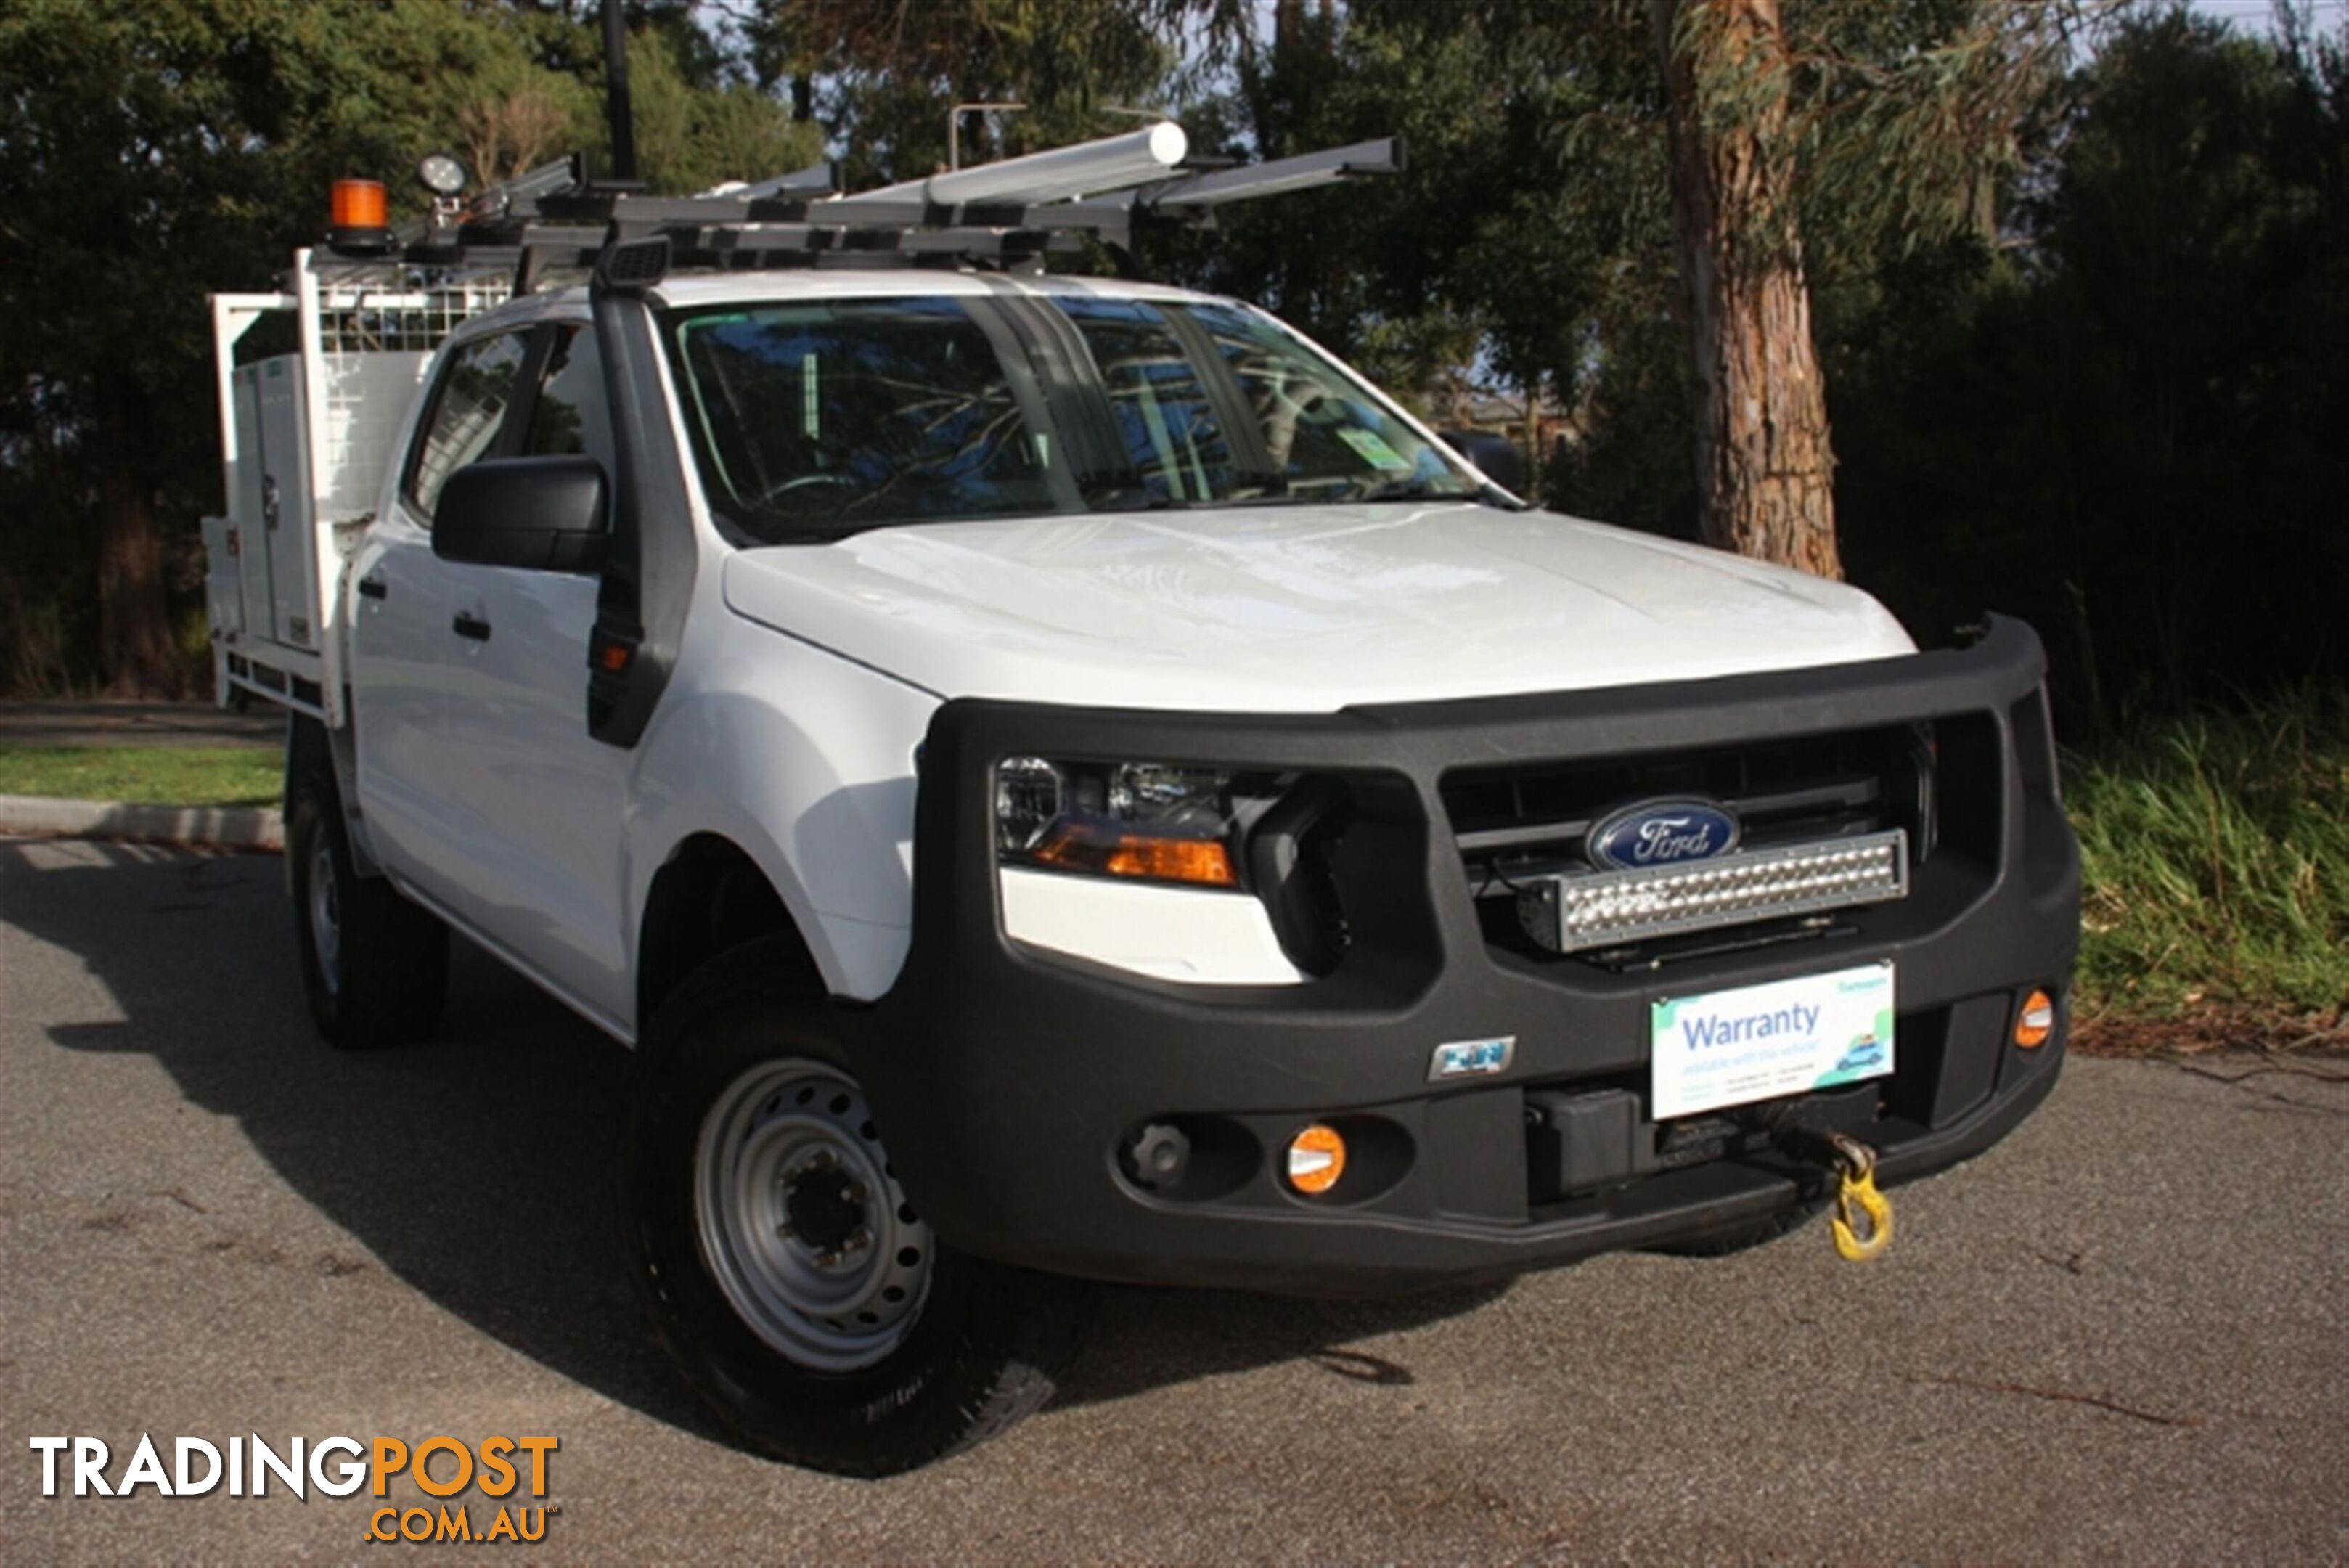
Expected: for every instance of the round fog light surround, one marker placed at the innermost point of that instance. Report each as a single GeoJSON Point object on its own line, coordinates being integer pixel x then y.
{"type": "Point", "coordinates": [2036, 1022]}
{"type": "Point", "coordinates": [1316, 1158]}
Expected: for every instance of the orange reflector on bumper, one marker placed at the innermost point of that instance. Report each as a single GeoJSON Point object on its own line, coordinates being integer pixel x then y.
{"type": "Point", "coordinates": [1316, 1158]}
{"type": "Point", "coordinates": [2036, 1022]}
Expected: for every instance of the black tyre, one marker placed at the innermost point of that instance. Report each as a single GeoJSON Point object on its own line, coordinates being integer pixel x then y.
{"type": "Point", "coordinates": [783, 1270]}
{"type": "Point", "coordinates": [375, 966]}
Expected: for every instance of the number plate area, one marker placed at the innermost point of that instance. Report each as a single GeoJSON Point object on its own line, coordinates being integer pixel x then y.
{"type": "Point", "coordinates": [1765, 1042]}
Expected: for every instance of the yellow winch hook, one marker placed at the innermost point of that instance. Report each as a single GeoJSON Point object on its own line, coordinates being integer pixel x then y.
{"type": "Point", "coordinates": [1856, 1195]}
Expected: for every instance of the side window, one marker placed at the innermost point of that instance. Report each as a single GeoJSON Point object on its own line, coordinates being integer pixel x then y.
{"type": "Point", "coordinates": [571, 416]}
{"type": "Point", "coordinates": [468, 406]}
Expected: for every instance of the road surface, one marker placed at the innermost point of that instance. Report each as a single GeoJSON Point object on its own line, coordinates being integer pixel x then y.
{"type": "Point", "coordinates": [2123, 1335]}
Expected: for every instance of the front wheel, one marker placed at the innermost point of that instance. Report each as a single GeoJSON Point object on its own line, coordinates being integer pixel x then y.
{"type": "Point", "coordinates": [785, 1271]}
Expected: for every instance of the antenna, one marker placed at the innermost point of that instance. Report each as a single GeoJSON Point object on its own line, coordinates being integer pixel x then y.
{"type": "Point", "coordinates": [618, 106]}
{"type": "Point", "coordinates": [953, 126]}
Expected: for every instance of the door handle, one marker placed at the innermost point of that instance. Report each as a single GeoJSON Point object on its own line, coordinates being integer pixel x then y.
{"type": "Point", "coordinates": [372, 587]}
{"type": "Point", "coordinates": [471, 626]}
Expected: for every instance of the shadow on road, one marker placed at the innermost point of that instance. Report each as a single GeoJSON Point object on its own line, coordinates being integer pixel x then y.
{"type": "Point", "coordinates": [477, 1167]}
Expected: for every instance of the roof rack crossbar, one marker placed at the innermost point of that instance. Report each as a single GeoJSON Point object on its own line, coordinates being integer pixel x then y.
{"type": "Point", "coordinates": [1279, 176]}
{"type": "Point", "coordinates": [520, 196]}
{"type": "Point", "coordinates": [800, 185]}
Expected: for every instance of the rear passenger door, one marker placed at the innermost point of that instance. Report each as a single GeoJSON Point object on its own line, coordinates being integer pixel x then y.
{"type": "Point", "coordinates": [412, 668]}
{"type": "Point", "coordinates": [549, 889]}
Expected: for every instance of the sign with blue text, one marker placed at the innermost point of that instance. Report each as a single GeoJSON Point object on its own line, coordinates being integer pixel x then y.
{"type": "Point", "coordinates": [1764, 1042]}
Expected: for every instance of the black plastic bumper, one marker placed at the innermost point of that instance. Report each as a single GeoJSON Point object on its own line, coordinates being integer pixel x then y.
{"type": "Point", "coordinates": [1008, 1080]}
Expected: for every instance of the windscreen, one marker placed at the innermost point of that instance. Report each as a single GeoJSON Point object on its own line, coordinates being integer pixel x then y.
{"type": "Point", "coordinates": [822, 419]}
{"type": "Point", "coordinates": [816, 420]}
{"type": "Point", "coordinates": [1313, 430]}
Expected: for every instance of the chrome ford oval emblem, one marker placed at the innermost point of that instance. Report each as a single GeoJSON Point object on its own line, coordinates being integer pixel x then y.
{"type": "Point", "coordinates": [1660, 832]}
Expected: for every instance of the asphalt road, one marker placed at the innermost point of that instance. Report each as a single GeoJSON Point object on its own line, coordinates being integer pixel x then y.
{"type": "Point", "coordinates": [2123, 1335]}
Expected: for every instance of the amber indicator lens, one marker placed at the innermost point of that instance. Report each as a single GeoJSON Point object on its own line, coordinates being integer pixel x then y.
{"type": "Point", "coordinates": [2036, 1022]}
{"type": "Point", "coordinates": [1085, 847]}
{"type": "Point", "coordinates": [1316, 1158]}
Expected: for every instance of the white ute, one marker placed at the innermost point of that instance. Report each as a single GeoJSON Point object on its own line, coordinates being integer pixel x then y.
{"type": "Point", "coordinates": [1060, 779]}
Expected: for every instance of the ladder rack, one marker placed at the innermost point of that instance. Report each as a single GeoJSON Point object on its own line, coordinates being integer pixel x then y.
{"type": "Point", "coordinates": [551, 224]}
{"type": "Point", "coordinates": [307, 437]}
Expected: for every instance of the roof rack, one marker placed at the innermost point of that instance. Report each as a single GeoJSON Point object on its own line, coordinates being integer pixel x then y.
{"type": "Point", "coordinates": [553, 221]}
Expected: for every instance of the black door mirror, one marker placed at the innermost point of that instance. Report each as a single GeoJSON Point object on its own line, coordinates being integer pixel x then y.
{"type": "Point", "coordinates": [1495, 454]}
{"type": "Point", "coordinates": [544, 513]}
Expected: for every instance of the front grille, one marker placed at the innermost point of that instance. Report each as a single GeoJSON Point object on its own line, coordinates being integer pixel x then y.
{"type": "Point", "coordinates": [1516, 824]}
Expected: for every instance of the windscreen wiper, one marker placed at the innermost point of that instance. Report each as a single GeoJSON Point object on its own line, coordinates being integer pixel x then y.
{"type": "Point", "coordinates": [1422, 488]}
{"type": "Point", "coordinates": [1132, 498]}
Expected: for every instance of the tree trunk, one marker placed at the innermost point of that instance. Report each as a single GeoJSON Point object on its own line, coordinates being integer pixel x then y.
{"type": "Point", "coordinates": [134, 631]}
{"type": "Point", "coordinates": [1765, 464]}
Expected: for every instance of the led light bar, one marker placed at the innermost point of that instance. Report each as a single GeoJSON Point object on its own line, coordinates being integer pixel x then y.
{"type": "Point", "coordinates": [1571, 913]}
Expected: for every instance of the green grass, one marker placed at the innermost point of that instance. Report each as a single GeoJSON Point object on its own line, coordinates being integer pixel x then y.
{"type": "Point", "coordinates": [2216, 849]}
{"type": "Point", "coordinates": [155, 775]}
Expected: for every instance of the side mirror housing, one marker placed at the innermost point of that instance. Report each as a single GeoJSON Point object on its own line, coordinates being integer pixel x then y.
{"type": "Point", "coordinates": [546, 513]}
{"type": "Point", "coordinates": [1495, 454]}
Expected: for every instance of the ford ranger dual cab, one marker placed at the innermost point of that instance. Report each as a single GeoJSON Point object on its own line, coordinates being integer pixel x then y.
{"type": "Point", "coordinates": [1060, 780]}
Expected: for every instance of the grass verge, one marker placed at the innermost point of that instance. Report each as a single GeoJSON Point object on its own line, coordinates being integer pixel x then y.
{"type": "Point", "coordinates": [2216, 850]}
{"type": "Point", "coordinates": [2215, 847]}
{"type": "Point", "coordinates": [145, 775]}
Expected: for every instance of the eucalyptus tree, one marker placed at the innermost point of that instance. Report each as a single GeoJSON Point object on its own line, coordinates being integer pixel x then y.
{"type": "Point", "coordinates": [1890, 121]}
{"type": "Point", "coordinates": [1580, 167]}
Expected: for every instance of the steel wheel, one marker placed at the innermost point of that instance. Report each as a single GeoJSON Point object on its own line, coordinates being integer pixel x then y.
{"type": "Point", "coordinates": [375, 967]}
{"type": "Point", "coordinates": [326, 917]}
{"type": "Point", "coordinates": [800, 1222]}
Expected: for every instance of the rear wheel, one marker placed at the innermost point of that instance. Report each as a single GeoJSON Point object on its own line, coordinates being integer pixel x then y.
{"type": "Point", "coordinates": [374, 965]}
{"type": "Point", "coordinates": [785, 1271]}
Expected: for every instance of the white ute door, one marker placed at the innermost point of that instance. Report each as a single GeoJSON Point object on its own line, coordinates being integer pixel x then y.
{"type": "Point", "coordinates": [410, 671]}
{"type": "Point", "coordinates": [550, 889]}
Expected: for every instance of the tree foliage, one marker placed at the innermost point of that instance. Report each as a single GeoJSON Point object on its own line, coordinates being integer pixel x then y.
{"type": "Point", "coordinates": [889, 72]}
{"type": "Point", "coordinates": [152, 153]}
{"type": "Point", "coordinates": [2079, 305]}
{"type": "Point", "coordinates": [2125, 420]}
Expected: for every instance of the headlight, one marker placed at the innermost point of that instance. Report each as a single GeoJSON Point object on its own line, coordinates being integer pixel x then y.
{"type": "Point", "coordinates": [1143, 820]}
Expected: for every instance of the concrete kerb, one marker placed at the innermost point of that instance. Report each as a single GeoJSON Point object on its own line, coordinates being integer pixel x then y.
{"type": "Point", "coordinates": [209, 827]}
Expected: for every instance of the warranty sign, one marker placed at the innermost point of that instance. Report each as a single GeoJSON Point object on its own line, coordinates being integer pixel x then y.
{"type": "Point", "coordinates": [1764, 1042]}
